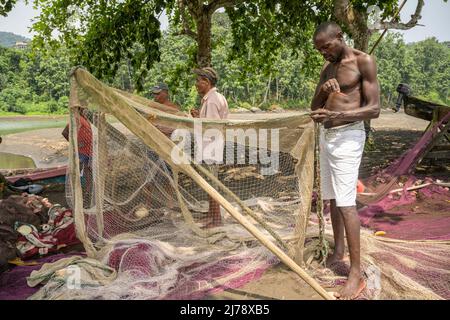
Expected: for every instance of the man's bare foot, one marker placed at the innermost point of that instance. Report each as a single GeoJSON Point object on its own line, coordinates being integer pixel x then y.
{"type": "Point", "coordinates": [334, 258]}
{"type": "Point", "coordinates": [352, 288]}
{"type": "Point", "coordinates": [208, 222]}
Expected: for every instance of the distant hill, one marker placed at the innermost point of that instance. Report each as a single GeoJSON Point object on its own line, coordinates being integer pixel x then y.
{"type": "Point", "coordinates": [9, 39]}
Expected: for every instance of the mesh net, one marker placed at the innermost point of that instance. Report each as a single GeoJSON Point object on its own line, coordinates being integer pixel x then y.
{"type": "Point", "coordinates": [158, 227]}
{"type": "Point", "coordinates": [148, 216]}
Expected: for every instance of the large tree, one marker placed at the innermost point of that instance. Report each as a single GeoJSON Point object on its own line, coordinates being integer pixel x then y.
{"type": "Point", "coordinates": [101, 34]}
{"type": "Point", "coordinates": [354, 17]}
{"type": "Point", "coordinates": [6, 6]}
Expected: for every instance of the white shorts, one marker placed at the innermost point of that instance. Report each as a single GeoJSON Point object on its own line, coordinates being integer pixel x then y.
{"type": "Point", "coordinates": [341, 149]}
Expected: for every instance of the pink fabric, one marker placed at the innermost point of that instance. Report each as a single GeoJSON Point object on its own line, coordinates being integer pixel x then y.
{"type": "Point", "coordinates": [144, 261]}
{"type": "Point", "coordinates": [60, 233]}
{"type": "Point", "coordinates": [413, 215]}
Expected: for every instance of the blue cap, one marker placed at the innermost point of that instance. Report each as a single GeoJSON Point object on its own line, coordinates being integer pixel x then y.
{"type": "Point", "coordinates": [160, 87]}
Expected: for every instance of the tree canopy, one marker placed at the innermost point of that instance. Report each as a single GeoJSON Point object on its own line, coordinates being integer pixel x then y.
{"type": "Point", "coordinates": [6, 6]}
{"type": "Point", "coordinates": [32, 82]}
{"type": "Point", "coordinates": [101, 34]}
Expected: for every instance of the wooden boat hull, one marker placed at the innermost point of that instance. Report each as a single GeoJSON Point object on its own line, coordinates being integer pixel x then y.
{"type": "Point", "coordinates": [55, 175]}
{"type": "Point", "coordinates": [422, 109]}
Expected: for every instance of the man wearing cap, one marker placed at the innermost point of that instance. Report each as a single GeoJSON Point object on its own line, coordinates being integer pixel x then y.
{"type": "Point", "coordinates": [213, 106]}
{"type": "Point", "coordinates": [161, 95]}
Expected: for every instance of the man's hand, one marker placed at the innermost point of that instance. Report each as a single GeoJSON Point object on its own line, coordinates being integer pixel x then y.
{"type": "Point", "coordinates": [195, 113]}
{"type": "Point", "coordinates": [323, 115]}
{"type": "Point", "coordinates": [330, 86]}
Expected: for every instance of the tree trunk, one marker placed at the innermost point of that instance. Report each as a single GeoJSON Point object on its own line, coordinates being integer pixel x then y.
{"type": "Point", "coordinates": [204, 39]}
{"type": "Point", "coordinates": [361, 39]}
{"type": "Point", "coordinates": [268, 88]}
{"type": "Point", "coordinates": [276, 82]}
{"type": "Point", "coordinates": [130, 77]}
{"type": "Point", "coordinates": [361, 36]}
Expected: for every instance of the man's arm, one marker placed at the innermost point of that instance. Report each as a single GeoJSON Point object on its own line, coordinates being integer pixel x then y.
{"type": "Point", "coordinates": [320, 95]}
{"type": "Point", "coordinates": [370, 94]}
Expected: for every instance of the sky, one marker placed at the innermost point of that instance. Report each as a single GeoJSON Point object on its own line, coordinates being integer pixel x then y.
{"type": "Point", "coordinates": [434, 18]}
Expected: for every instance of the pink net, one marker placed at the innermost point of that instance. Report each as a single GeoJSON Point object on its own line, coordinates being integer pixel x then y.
{"type": "Point", "coordinates": [422, 214]}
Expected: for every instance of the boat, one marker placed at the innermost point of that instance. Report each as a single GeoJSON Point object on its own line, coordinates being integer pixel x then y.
{"type": "Point", "coordinates": [43, 176]}
{"type": "Point", "coordinates": [425, 110]}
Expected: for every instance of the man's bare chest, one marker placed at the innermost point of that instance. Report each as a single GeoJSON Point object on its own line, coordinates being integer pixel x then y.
{"type": "Point", "coordinates": [346, 74]}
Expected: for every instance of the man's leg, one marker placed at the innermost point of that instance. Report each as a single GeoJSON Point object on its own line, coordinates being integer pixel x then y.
{"type": "Point", "coordinates": [213, 218]}
{"type": "Point", "coordinates": [355, 283]}
{"type": "Point", "coordinates": [338, 232]}
{"type": "Point", "coordinates": [214, 213]}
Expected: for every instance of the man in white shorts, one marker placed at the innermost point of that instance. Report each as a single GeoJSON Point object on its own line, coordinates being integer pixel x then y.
{"type": "Point", "coordinates": [347, 94]}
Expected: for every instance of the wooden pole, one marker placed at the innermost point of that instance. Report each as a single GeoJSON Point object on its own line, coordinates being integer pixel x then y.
{"type": "Point", "coordinates": [101, 161]}
{"type": "Point", "coordinates": [77, 192]}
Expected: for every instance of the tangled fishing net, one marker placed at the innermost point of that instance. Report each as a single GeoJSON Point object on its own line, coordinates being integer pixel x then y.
{"type": "Point", "coordinates": [143, 218]}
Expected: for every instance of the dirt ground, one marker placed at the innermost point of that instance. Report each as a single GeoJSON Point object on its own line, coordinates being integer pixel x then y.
{"type": "Point", "coordinates": [394, 134]}
{"type": "Point", "coordinates": [47, 147]}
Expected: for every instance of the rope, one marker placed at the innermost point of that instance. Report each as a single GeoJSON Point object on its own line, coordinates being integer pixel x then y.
{"type": "Point", "coordinates": [323, 247]}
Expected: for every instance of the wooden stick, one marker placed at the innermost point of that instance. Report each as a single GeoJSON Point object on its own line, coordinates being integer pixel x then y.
{"type": "Point", "coordinates": [259, 235]}
{"type": "Point", "coordinates": [101, 159]}
{"type": "Point", "coordinates": [442, 184]}
{"type": "Point", "coordinates": [249, 211]}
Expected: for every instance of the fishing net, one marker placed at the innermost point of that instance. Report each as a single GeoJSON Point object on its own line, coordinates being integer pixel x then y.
{"type": "Point", "coordinates": [150, 225]}
{"type": "Point", "coordinates": [413, 213]}
{"type": "Point", "coordinates": [144, 210]}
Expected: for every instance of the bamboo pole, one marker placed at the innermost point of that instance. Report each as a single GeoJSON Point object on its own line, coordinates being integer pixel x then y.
{"type": "Point", "coordinates": [249, 211]}
{"type": "Point", "coordinates": [304, 169]}
{"type": "Point", "coordinates": [99, 187]}
{"type": "Point", "coordinates": [77, 192]}
{"type": "Point", "coordinates": [258, 234]}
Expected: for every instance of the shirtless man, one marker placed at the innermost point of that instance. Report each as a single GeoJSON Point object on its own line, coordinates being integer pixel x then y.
{"type": "Point", "coordinates": [161, 95]}
{"type": "Point", "coordinates": [347, 94]}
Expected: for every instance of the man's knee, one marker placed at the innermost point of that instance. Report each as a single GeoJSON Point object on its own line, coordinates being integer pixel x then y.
{"type": "Point", "coordinates": [348, 211]}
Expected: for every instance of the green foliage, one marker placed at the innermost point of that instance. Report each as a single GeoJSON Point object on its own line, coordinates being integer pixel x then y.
{"type": "Point", "coordinates": [34, 82]}
{"type": "Point", "coordinates": [30, 83]}
{"type": "Point", "coordinates": [101, 34]}
{"type": "Point", "coordinates": [6, 6]}
{"type": "Point", "coordinates": [424, 65]}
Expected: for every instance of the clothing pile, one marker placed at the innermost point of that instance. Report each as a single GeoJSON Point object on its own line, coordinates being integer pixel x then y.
{"type": "Point", "coordinates": [30, 225]}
